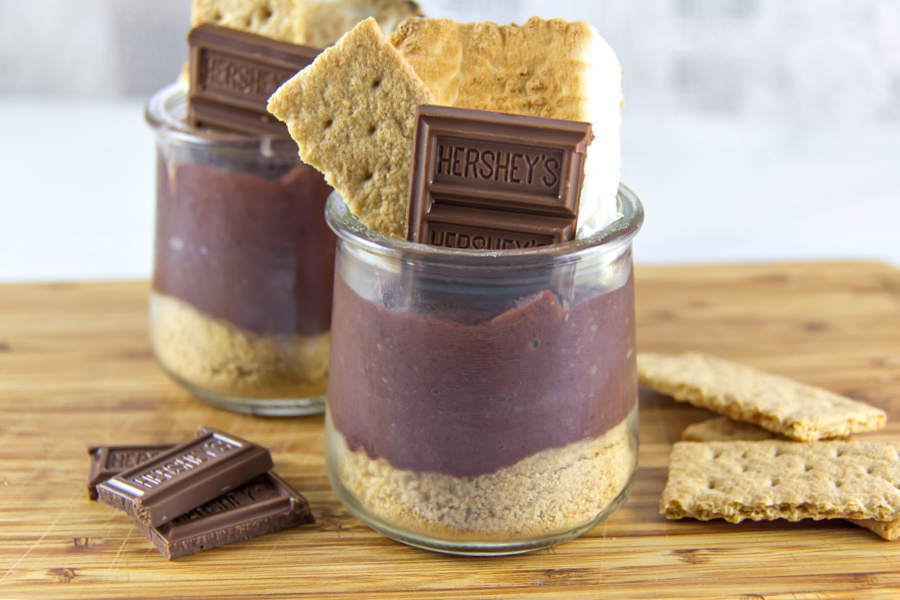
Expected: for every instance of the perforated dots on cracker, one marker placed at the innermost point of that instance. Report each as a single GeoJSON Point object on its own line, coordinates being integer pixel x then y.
{"type": "Point", "coordinates": [772, 479]}
{"type": "Point", "coordinates": [725, 429]}
{"type": "Point", "coordinates": [352, 113]}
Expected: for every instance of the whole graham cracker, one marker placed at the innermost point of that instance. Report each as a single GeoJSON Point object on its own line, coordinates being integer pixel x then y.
{"type": "Point", "coordinates": [778, 404]}
{"type": "Point", "coordinates": [775, 479]}
{"type": "Point", "coordinates": [725, 429]}
{"type": "Point", "coordinates": [352, 113]}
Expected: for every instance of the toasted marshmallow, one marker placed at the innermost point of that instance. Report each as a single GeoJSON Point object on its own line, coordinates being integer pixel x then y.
{"type": "Point", "coordinates": [545, 68]}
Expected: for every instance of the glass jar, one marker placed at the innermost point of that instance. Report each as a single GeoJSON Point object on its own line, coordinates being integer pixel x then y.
{"type": "Point", "coordinates": [243, 268]}
{"type": "Point", "coordinates": [482, 402]}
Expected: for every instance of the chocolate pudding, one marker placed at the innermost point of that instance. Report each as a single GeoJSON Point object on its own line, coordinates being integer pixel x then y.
{"type": "Point", "coordinates": [446, 393]}
{"type": "Point", "coordinates": [251, 249]}
{"type": "Point", "coordinates": [476, 401]}
{"type": "Point", "coordinates": [243, 275]}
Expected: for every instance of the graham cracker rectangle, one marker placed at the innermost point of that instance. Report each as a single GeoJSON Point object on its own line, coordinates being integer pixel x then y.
{"type": "Point", "coordinates": [778, 404]}
{"type": "Point", "coordinates": [352, 113]}
{"type": "Point", "coordinates": [725, 429]}
{"type": "Point", "coordinates": [774, 479]}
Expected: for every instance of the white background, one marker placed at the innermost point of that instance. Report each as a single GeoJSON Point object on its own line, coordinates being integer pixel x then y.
{"type": "Point", "coordinates": [754, 130]}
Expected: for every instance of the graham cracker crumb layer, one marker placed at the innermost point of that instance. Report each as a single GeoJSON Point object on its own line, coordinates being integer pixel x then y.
{"type": "Point", "coordinates": [551, 492]}
{"type": "Point", "coordinates": [217, 357]}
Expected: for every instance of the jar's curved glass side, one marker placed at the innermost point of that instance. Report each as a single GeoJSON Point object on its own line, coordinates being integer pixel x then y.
{"type": "Point", "coordinates": [609, 239]}
{"type": "Point", "coordinates": [454, 380]}
{"type": "Point", "coordinates": [243, 269]}
{"type": "Point", "coordinates": [167, 110]}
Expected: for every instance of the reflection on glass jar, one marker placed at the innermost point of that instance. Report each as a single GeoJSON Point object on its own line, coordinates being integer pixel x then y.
{"type": "Point", "coordinates": [482, 402]}
{"type": "Point", "coordinates": [243, 267]}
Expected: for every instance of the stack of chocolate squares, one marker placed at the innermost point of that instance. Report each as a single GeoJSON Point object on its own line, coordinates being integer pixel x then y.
{"type": "Point", "coordinates": [209, 491]}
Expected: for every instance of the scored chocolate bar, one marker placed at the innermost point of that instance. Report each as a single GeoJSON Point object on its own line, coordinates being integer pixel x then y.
{"type": "Point", "coordinates": [494, 181]}
{"type": "Point", "coordinates": [107, 461]}
{"type": "Point", "coordinates": [232, 75]}
{"type": "Point", "coordinates": [185, 476]}
{"type": "Point", "coordinates": [264, 505]}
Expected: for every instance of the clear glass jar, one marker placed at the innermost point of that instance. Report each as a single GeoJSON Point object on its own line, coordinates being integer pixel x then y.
{"type": "Point", "coordinates": [482, 402]}
{"type": "Point", "coordinates": [243, 268]}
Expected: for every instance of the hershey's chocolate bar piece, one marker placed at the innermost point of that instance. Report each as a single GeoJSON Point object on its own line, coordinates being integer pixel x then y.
{"type": "Point", "coordinates": [184, 477]}
{"type": "Point", "coordinates": [264, 505]}
{"type": "Point", "coordinates": [107, 461]}
{"type": "Point", "coordinates": [232, 75]}
{"type": "Point", "coordinates": [495, 181]}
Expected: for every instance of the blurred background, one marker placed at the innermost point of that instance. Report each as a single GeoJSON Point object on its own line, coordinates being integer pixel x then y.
{"type": "Point", "coordinates": [754, 130]}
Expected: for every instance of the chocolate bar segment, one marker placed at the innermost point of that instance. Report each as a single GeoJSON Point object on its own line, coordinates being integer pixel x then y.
{"type": "Point", "coordinates": [184, 477]}
{"type": "Point", "coordinates": [495, 181]}
{"type": "Point", "coordinates": [232, 75]}
{"type": "Point", "coordinates": [107, 461]}
{"type": "Point", "coordinates": [264, 505]}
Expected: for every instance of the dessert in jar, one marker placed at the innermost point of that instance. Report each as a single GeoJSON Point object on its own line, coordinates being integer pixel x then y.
{"type": "Point", "coordinates": [240, 305]}
{"type": "Point", "coordinates": [473, 405]}
{"type": "Point", "coordinates": [482, 394]}
{"type": "Point", "coordinates": [243, 267]}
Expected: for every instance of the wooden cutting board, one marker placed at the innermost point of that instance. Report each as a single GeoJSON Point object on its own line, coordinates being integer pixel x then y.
{"type": "Point", "coordinates": [76, 369]}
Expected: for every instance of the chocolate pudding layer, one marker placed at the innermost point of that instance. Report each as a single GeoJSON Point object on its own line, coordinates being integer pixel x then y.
{"type": "Point", "coordinates": [247, 247]}
{"type": "Point", "coordinates": [444, 393]}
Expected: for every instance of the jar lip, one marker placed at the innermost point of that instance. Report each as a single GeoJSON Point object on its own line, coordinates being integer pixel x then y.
{"type": "Point", "coordinates": [611, 238]}
{"type": "Point", "coordinates": [166, 111]}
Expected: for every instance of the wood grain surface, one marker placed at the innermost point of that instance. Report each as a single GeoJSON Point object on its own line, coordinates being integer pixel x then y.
{"type": "Point", "coordinates": [76, 370]}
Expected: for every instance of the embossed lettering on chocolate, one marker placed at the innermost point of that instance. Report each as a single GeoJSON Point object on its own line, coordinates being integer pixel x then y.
{"type": "Point", "coordinates": [547, 374]}
{"type": "Point", "coordinates": [492, 181]}
{"type": "Point", "coordinates": [234, 72]}
{"type": "Point", "coordinates": [108, 461]}
{"type": "Point", "coordinates": [185, 476]}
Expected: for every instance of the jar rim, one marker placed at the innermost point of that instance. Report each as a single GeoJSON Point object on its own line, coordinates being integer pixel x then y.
{"type": "Point", "coordinates": [166, 112]}
{"type": "Point", "coordinates": [611, 238]}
